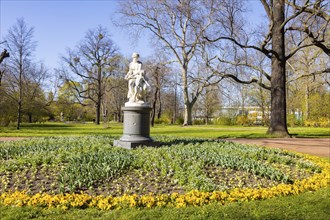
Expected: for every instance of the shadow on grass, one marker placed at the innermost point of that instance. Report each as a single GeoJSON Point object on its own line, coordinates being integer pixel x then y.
{"type": "Point", "coordinates": [37, 126]}
{"type": "Point", "coordinates": [314, 135]}
{"type": "Point", "coordinates": [185, 141]}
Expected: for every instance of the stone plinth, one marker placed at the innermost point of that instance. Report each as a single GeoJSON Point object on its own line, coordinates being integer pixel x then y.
{"type": "Point", "coordinates": [136, 127]}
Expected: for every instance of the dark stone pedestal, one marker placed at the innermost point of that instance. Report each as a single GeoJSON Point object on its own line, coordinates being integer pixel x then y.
{"type": "Point", "coordinates": [136, 128]}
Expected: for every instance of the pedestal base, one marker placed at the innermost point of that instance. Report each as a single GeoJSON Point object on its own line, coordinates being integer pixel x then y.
{"type": "Point", "coordinates": [132, 145]}
{"type": "Point", "coordinates": [136, 127]}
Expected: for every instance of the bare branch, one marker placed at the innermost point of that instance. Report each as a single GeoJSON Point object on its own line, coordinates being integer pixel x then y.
{"type": "Point", "coordinates": [313, 39]}
{"type": "Point", "coordinates": [296, 14]}
{"type": "Point", "coordinates": [267, 8]}
{"type": "Point", "coordinates": [265, 51]}
{"type": "Point", "coordinates": [264, 73]}
{"type": "Point", "coordinates": [316, 10]}
{"type": "Point", "coordinates": [236, 79]}
{"type": "Point", "coordinates": [3, 55]}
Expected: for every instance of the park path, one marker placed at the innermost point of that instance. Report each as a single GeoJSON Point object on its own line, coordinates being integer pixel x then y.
{"type": "Point", "coordinates": [314, 146]}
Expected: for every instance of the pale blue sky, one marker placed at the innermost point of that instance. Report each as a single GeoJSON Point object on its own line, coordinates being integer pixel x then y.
{"type": "Point", "coordinates": [60, 24]}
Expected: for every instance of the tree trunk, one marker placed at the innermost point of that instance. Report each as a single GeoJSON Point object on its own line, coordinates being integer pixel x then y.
{"type": "Point", "coordinates": [105, 118]}
{"type": "Point", "coordinates": [187, 117]}
{"type": "Point", "coordinates": [119, 116]}
{"type": "Point", "coordinates": [159, 114]}
{"type": "Point", "coordinates": [99, 95]}
{"type": "Point", "coordinates": [187, 114]}
{"type": "Point", "coordinates": [98, 113]}
{"type": "Point", "coordinates": [278, 121]}
{"type": "Point", "coordinates": [19, 114]}
{"type": "Point", "coordinates": [30, 117]}
{"type": "Point", "coordinates": [1, 74]}
{"type": "Point", "coordinates": [262, 106]}
{"type": "Point", "coordinates": [306, 104]}
{"type": "Point", "coordinates": [175, 103]}
{"type": "Point", "coordinates": [153, 113]}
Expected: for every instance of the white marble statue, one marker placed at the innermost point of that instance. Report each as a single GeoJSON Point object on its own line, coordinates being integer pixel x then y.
{"type": "Point", "coordinates": [137, 82]}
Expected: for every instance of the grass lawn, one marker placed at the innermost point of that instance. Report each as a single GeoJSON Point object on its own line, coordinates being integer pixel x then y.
{"type": "Point", "coordinates": [115, 129]}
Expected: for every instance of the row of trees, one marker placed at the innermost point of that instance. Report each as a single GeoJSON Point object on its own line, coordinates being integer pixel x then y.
{"type": "Point", "coordinates": [88, 86]}
{"type": "Point", "coordinates": [207, 42]}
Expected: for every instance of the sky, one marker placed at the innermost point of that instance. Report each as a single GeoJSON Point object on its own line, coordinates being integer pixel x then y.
{"type": "Point", "coordinates": [61, 24]}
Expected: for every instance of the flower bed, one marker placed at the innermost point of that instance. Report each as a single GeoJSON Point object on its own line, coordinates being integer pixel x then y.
{"type": "Point", "coordinates": [89, 172]}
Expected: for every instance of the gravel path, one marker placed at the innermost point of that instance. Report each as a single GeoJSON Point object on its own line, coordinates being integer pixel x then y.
{"type": "Point", "coordinates": [313, 146]}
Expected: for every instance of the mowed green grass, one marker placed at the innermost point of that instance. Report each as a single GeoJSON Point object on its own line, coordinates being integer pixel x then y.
{"type": "Point", "coordinates": [116, 129]}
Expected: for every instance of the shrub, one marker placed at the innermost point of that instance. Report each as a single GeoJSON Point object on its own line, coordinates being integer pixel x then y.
{"type": "Point", "coordinates": [199, 122]}
{"type": "Point", "coordinates": [293, 121]}
{"type": "Point", "coordinates": [224, 120]}
{"type": "Point", "coordinates": [243, 120]}
{"type": "Point", "coordinates": [163, 120]}
{"type": "Point", "coordinates": [179, 121]}
{"type": "Point", "coordinates": [321, 122]}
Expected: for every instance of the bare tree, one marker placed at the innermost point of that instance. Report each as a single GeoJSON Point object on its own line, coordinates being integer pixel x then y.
{"type": "Point", "coordinates": [179, 27]}
{"type": "Point", "coordinates": [305, 78]}
{"type": "Point", "coordinates": [156, 79]}
{"type": "Point", "coordinates": [34, 101]}
{"type": "Point", "coordinates": [115, 97]}
{"type": "Point", "coordinates": [273, 47]}
{"type": "Point", "coordinates": [116, 92]}
{"type": "Point", "coordinates": [158, 74]}
{"type": "Point", "coordinates": [92, 61]}
{"type": "Point", "coordinates": [210, 103]}
{"type": "Point", "coordinates": [21, 47]}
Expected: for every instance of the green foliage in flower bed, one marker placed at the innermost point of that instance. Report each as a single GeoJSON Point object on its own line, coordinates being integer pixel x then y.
{"type": "Point", "coordinates": [91, 164]}
{"type": "Point", "coordinates": [35, 152]}
{"type": "Point", "coordinates": [87, 168]}
{"type": "Point", "coordinates": [186, 162]}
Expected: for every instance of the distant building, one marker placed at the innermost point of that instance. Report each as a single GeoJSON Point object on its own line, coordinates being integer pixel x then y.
{"type": "Point", "coordinates": [254, 114]}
